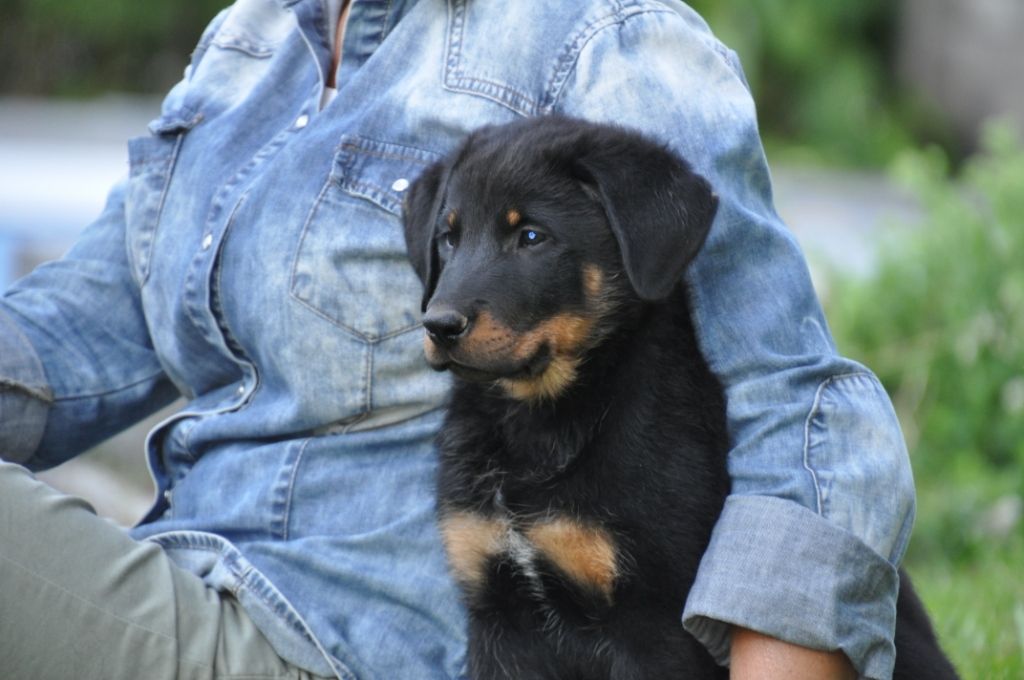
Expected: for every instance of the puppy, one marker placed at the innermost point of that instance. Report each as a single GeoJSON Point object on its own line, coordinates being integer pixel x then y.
{"type": "Point", "coordinates": [583, 455]}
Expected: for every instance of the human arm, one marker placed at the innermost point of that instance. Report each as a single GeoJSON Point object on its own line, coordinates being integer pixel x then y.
{"type": "Point", "coordinates": [77, 362]}
{"type": "Point", "coordinates": [756, 656]}
{"type": "Point", "coordinates": [822, 495]}
{"type": "Point", "coordinates": [25, 396]}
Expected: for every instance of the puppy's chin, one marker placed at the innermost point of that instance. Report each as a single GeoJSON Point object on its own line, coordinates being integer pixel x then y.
{"type": "Point", "coordinates": [471, 374]}
{"type": "Point", "coordinates": [487, 369]}
{"type": "Point", "coordinates": [543, 377]}
{"type": "Point", "coordinates": [440, 362]}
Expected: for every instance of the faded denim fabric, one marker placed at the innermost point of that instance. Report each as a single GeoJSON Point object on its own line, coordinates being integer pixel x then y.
{"type": "Point", "coordinates": [253, 262]}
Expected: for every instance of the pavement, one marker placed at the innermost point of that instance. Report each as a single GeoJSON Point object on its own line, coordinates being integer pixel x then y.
{"type": "Point", "coordinates": [57, 160]}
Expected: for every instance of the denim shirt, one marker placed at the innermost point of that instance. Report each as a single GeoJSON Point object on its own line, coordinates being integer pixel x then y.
{"type": "Point", "coordinates": [253, 262]}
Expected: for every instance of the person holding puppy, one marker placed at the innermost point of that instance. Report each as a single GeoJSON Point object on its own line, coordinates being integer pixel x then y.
{"type": "Point", "coordinates": [253, 263]}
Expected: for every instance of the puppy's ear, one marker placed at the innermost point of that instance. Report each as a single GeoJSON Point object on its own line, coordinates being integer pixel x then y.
{"type": "Point", "coordinates": [659, 210]}
{"type": "Point", "coordinates": [420, 212]}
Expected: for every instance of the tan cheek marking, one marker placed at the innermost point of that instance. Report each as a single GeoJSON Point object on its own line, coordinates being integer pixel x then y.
{"type": "Point", "coordinates": [430, 349]}
{"type": "Point", "coordinates": [600, 295]}
{"type": "Point", "coordinates": [558, 375]}
{"type": "Point", "coordinates": [513, 217]}
{"type": "Point", "coordinates": [471, 541]}
{"type": "Point", "coordinates": [488, 336]}
{"type": "Point", "coordinates": [489, 331]}
{"type": "Point", "coordinates": [585, 554]}
{"type": "Point", "coordinates": [565, 335]}
{"type": "Point", "coordinates": [593, 281]}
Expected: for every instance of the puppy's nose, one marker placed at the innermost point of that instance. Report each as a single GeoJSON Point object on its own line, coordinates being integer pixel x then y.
{"type": "Point", "coordinates": [445, 326]}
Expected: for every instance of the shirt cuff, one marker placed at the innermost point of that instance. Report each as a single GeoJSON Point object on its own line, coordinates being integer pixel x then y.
{"type": "Point", "coordinates": [25, 396]}
{"type": "Point", "coordinates": [775, 567]}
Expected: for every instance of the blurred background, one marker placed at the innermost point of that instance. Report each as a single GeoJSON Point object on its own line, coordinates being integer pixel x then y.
{"type": "Point", "coordinates": [894, 134]}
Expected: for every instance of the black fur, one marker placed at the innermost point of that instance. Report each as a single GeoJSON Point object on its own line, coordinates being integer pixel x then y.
{"type": "Point", "coordinates": [631, 447]}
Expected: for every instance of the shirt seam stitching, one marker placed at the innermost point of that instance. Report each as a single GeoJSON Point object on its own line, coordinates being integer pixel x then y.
{"type": "Point", "coordinates": [286, 518]}
{"type": "Point", "coordinates": [454, 80]}
{"type": "Point", "coordinates": [811, 417]}
{"type": "Point", "coordinates": [113, 390]}
{"type": "Point", "coordinates": [10, 386]}
{"type": "Point", "coordinates": [569, 60]}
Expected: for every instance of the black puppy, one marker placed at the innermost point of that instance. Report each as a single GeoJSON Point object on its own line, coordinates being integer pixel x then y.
{"type": "Point", "coordinates": [583, 456]}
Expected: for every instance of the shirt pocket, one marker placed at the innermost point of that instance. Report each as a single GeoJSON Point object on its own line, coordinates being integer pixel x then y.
{"type": "Point", "coordinates": [151, 160]}
{"type": "Point", "coordinates": [351, 266]}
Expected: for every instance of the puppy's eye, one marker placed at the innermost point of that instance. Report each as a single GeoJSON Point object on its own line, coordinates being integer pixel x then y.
{"type": "Point", "coordinates": [450, 238]}
{"type": "Point", "coordinates": [531, 237]}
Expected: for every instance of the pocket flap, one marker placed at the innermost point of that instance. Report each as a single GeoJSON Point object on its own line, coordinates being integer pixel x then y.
{"type": "Point", "coordinates": [379, 171]}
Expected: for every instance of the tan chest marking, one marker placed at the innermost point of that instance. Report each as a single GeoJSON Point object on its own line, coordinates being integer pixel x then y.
{"type": "Point", "coordinates": [471, 541]}
{"type": "Point", "coordinates": [586, 554]}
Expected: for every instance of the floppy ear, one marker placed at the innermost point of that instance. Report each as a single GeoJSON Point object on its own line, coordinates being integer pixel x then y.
{"type": "Point", "coordinates": [420, 212]}
{"type": "Point", "coordinates": [659, 210]}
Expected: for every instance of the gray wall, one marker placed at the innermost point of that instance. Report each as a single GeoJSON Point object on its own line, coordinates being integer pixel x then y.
{"type": "Point", "coordinates": [965, 57]}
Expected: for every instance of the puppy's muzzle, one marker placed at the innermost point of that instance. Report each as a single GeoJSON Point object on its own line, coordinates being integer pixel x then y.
{"type": "Point", "coordinates": [445, 326]}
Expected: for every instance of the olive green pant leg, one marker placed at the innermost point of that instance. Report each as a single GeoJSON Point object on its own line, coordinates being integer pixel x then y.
{"type": "Point", "coordinates": [80, 599]}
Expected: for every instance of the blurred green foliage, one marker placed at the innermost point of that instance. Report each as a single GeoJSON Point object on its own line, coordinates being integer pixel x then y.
{"type": "Point", "coordinates": [823, 76]}
{"type": "Point", "coordinates": [978, 610]}
{"type": "Point", "coordinates": [81, 47]}
{"type": "Point", "coordinates": [941, 321]}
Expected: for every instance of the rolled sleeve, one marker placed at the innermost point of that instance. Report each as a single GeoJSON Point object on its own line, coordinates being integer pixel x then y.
{"type": "Point", "coordinates": [822, 495]}
{"type": "Point", "coordinates": [813, 562]}
{"type": "Point", "coordinates": [25, 397]}
{"type": "Point", "coordinates": [780, 569]}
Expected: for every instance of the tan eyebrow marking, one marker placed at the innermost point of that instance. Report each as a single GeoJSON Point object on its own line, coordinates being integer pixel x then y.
{"type": "Point", "coordinates": [453, 215]}
{"type": "Point", "coordinates": [513, 217]}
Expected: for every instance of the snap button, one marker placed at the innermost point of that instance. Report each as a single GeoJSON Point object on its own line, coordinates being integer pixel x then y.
{"type": "Point", "coordinates": [400, 184]}
{"type": "Point", "coordinates": [301, 121]}
{"type": "Point", "coordinates": [207, 241]}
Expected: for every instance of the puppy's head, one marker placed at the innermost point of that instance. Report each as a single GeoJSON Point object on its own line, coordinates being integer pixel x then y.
{"type": "Point", "coordinates": [531, 237]}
